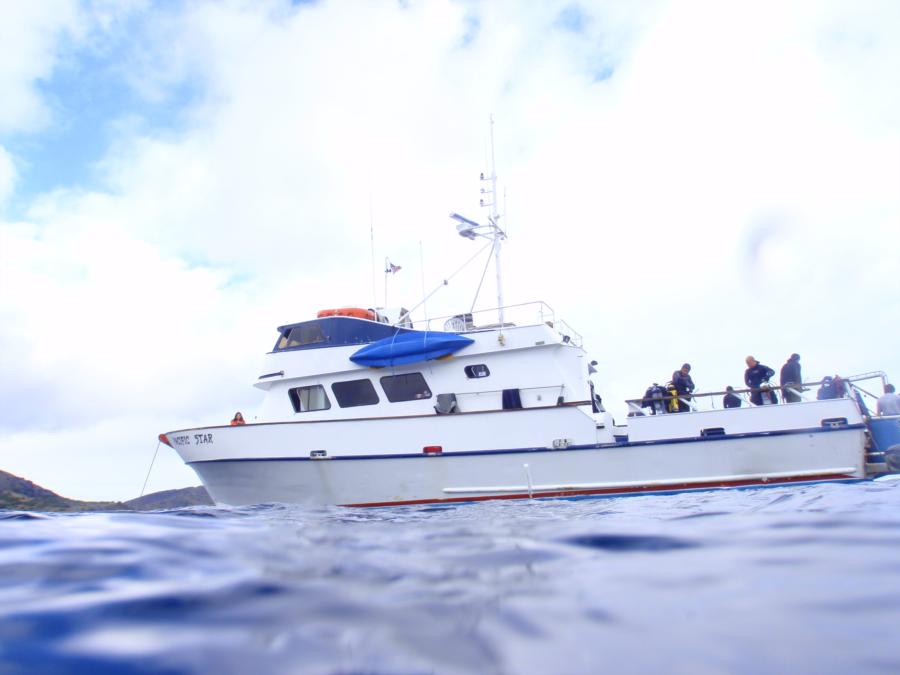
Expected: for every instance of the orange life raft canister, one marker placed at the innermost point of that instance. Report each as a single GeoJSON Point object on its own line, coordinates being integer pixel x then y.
{"type": "Point", "coordinates": [356, 312]}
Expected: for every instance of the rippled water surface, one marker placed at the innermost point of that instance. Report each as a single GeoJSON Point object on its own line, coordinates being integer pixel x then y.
{"type": "Point", "coordinates": [779, 580]}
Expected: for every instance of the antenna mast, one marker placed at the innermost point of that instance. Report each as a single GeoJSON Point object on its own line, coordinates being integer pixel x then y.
{"type": "Point", "coordinates": [492, 231]}
{"type": "Point", "coordinates": [494, 220]}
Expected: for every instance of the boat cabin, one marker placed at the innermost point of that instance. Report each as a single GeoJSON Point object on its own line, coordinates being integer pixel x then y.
{"type": "Point", "coordinates": [346, 366]}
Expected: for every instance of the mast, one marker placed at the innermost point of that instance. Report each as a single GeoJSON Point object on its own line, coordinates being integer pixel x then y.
{"type": "Point", "coordinates": [492, 231]}
{"type": "Point", "coordinates": [494, 220]}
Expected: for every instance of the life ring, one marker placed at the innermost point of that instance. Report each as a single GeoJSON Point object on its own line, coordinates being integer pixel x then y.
{"type": "Point", "coordinates": [355, 312]}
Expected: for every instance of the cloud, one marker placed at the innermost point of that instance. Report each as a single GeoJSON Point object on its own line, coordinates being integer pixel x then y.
{"type": "Point", "coordinates": [687, 182]}
{"type": "Point", "coordinates": [7, 177]}
{"type": "Point", "coordinates": [99, 326]}
{"type": "Point", "coordinates": [97, 461]}
{"type": "Point", "coordinates": [31, 35]}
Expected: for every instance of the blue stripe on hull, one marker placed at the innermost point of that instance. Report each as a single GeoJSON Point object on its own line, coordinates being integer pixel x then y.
{"type": "Point", "coordinates": [605, 446]}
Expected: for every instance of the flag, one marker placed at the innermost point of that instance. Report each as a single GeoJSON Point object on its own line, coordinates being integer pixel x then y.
{"type": "Point", "coordinates": [391, 268]}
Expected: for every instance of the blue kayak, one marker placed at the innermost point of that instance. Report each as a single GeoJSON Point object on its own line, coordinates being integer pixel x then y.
{"type": "Point", "coordinates": [409, 347]}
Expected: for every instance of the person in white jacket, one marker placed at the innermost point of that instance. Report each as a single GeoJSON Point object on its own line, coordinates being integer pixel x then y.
{"type": "Point", "coordinates": [889, 403]}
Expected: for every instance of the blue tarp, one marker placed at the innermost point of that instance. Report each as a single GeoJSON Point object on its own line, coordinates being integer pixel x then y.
{"type": "Point", "coordinates": [409, 347]}
{"type": "Point", "coordinates": [885, 433]}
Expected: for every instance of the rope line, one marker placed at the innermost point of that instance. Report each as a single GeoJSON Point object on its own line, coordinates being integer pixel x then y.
{"type": "Point", "coordinates": [151, 468]}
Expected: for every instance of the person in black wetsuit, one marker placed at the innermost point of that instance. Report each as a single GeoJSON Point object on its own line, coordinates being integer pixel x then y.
{"type": "Point", "coordinates": [754, 376]}
{"type": "Point", "coordinates": [826, 391]}
{"type": "Point", "coordinates": [790, 375]}
{"type": "Point", "coordinates": [684, 385]}
{"type": "Point", "coordinates": [655, 399]}
{"type": "Point", "coordinates": [731, 400]}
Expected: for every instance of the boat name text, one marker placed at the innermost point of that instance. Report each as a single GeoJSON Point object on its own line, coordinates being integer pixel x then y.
{"type": "Point", "coordinates": [199, 439]}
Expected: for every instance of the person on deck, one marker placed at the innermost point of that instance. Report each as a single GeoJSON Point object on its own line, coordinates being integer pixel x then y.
{"type": "Point", "coordinates": [889, 403]}
{"type": "Point", "coordinates": [237, 420]}
{"type": "Point", "coordinates": [754, 377]}
{"type": "Point", "coordinates": [655, 399]}
{"type": "Point", "coordinates": [684, 385]}
{"type": "Point", "coordinates": [791, 379]}
{"type": "Point", "coordinates": [840, 387]}
{"type": "Point", "coordinates": [731, 400]}
{"type": "Point", "coordinates": [826, 391]}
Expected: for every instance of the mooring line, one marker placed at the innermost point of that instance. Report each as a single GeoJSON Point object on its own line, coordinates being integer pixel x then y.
{"type": "Point", "coordinates": [151, 468]}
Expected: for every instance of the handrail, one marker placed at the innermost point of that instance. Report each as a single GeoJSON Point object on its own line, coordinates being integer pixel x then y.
{"type": "Point", "coordinates": [573, 334]}
{"type": "Point", "coordinates": [636, 404]}
{"type": "Point", "coordinates": [803, 386]}
{"type": "Point", "coordinates": [544, 314]}
{"type": "Point", "coordinates": [875, 374]}
{"type": "Point", "coordinates": [537, 303]}
{"type": "Point", "coordinates": [871, 375]}
{"type": "Point", "coordinates": [735, 391]}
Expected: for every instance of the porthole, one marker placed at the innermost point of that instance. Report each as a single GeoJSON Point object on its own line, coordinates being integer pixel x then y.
{"type": "Point", "coordinates": [476, 371]}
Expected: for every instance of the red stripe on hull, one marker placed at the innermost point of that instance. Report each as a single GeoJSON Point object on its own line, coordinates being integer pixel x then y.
{"type": "Point", "coordinates": [620, 491]}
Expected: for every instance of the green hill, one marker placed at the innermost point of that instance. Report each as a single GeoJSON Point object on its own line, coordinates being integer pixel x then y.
{"type": "Point", "coordinates": [171, 499]}
{"type": "Point", "coordinates": [19, 494]}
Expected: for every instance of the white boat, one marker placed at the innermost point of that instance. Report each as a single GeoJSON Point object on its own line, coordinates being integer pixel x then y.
{"type": "Point", "coordinates": [362, 408]}
{"type": "Point", "coordinates": [509, 416]}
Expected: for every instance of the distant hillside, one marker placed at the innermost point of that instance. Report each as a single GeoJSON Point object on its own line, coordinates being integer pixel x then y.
{"type": "Point", "coordinates": [171, 499]}
{"type": "Point", "coordinates": [19, 494]}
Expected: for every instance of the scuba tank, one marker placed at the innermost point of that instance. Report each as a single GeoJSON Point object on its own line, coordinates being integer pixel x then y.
{"type": "Point", "coordinates": [766, 395]}
{"type": "Point", "coordinates": [657, 399]}
{"type": "Point", "coordinates": [672, 403]}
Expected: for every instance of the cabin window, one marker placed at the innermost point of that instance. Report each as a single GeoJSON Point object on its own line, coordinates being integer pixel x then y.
{"type": "Point", "coordinates": [405, 387]}
{"type": "Point", "coordinates": [478, 370]}
{"type": "Point", "coordinates": [307, 399]}
{"type": "Point", "coordinates": [304, 334]}
{"type": "Point", "coordinates": [354, 392]}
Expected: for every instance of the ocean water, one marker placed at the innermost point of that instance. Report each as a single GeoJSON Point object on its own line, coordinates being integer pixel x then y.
{"type": "Point", "coordinates": [799, 579]}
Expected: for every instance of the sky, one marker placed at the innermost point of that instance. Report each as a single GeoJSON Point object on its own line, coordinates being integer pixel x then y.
{"type": "Point", "coordinates": [680, 181]}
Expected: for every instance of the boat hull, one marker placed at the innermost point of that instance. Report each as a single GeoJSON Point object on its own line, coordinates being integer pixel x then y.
{"type": "Point", "coordinates": [684, 464]}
